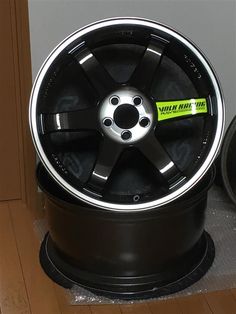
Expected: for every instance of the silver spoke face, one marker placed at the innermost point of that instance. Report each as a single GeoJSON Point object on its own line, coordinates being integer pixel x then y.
{"type": "Point", "coordinates": [126, 115]}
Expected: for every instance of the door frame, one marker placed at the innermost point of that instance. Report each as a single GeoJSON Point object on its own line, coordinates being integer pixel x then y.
{"type": "Point", "coordinates": [23, 83]}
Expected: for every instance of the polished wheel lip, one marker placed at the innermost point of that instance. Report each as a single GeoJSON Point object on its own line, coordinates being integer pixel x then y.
{"type": "Point", "coordinates": [108, 205]}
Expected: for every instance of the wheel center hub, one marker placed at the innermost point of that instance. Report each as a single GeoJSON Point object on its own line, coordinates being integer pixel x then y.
{"type": "Point", "coordinates": [126, 116]}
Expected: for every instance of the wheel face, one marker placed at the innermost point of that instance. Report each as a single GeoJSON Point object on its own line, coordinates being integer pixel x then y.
{"type": "Point", "coordinates": [126, 114]}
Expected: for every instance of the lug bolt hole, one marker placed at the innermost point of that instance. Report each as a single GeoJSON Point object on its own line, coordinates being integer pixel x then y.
{"type": "Point", "coordinates": [114, 100]}
{"type": "Point", "coordinates": [136, 198]}
{"type": "Point", "coordinates": [137, 100]}
{"type": "Point", "coordinates": [144, 122]}
{"type": "Point", "coordinates": [107, 122]}
{"type": "Point", "coordinates": [126, 135]}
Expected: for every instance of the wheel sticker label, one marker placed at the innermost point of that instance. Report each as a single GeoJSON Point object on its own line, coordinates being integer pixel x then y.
{"type": "Point", "coordinates": [179, 108]}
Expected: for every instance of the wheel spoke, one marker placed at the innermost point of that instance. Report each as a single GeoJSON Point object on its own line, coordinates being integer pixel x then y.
{"type": "Point", "coordinates": [144, 73]}
{"type": "Point", "coordinates": [85, 119]}
{"type": "Point", "coordinates": [95, 72]}
{"type": "Point", "coordinates": [156, 154]}
{"type": "Point", "coordinates": [107, 157]}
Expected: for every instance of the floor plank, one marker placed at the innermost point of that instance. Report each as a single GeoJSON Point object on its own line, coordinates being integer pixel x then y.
{"type": "Point", "coordinates": [105, 309]}
{"type": "Point", "coordinates": [40, 288]}
{"type": "Point", "coordinates": [13, 295]}
{"type": "Point", "coordinates": [221, 302]}
{"type": "Point", "coordinates": [164, 307]}
{"type": "Point", "coordinates": [195, 304]}
{"type": "Point", "coordinates": [138, 308]}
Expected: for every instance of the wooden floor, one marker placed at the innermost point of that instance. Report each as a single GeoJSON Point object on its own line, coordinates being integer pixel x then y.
{"type": "Point", "coordinates": [24, 288]}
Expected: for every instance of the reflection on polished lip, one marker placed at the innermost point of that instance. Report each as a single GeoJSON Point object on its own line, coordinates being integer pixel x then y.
{"type": "Point", "coordinates": [177, 183]}
{"type": "Point", "coordinates": [113, 206]}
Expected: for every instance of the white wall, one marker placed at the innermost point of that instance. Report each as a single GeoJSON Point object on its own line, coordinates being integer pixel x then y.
{"type": "Point", "coordinates": [211, 24]}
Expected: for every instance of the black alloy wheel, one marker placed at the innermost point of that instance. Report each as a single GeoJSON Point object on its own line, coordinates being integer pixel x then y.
{"type": "Point", "coordinates": [126, 114]}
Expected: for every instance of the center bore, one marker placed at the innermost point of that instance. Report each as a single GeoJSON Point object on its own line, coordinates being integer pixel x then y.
{"type": "Point", "coordinates": [126, 116]}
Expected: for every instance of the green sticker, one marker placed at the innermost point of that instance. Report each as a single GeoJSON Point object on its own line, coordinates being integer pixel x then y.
{"type": "Point", "coordinates": [179, 108]}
